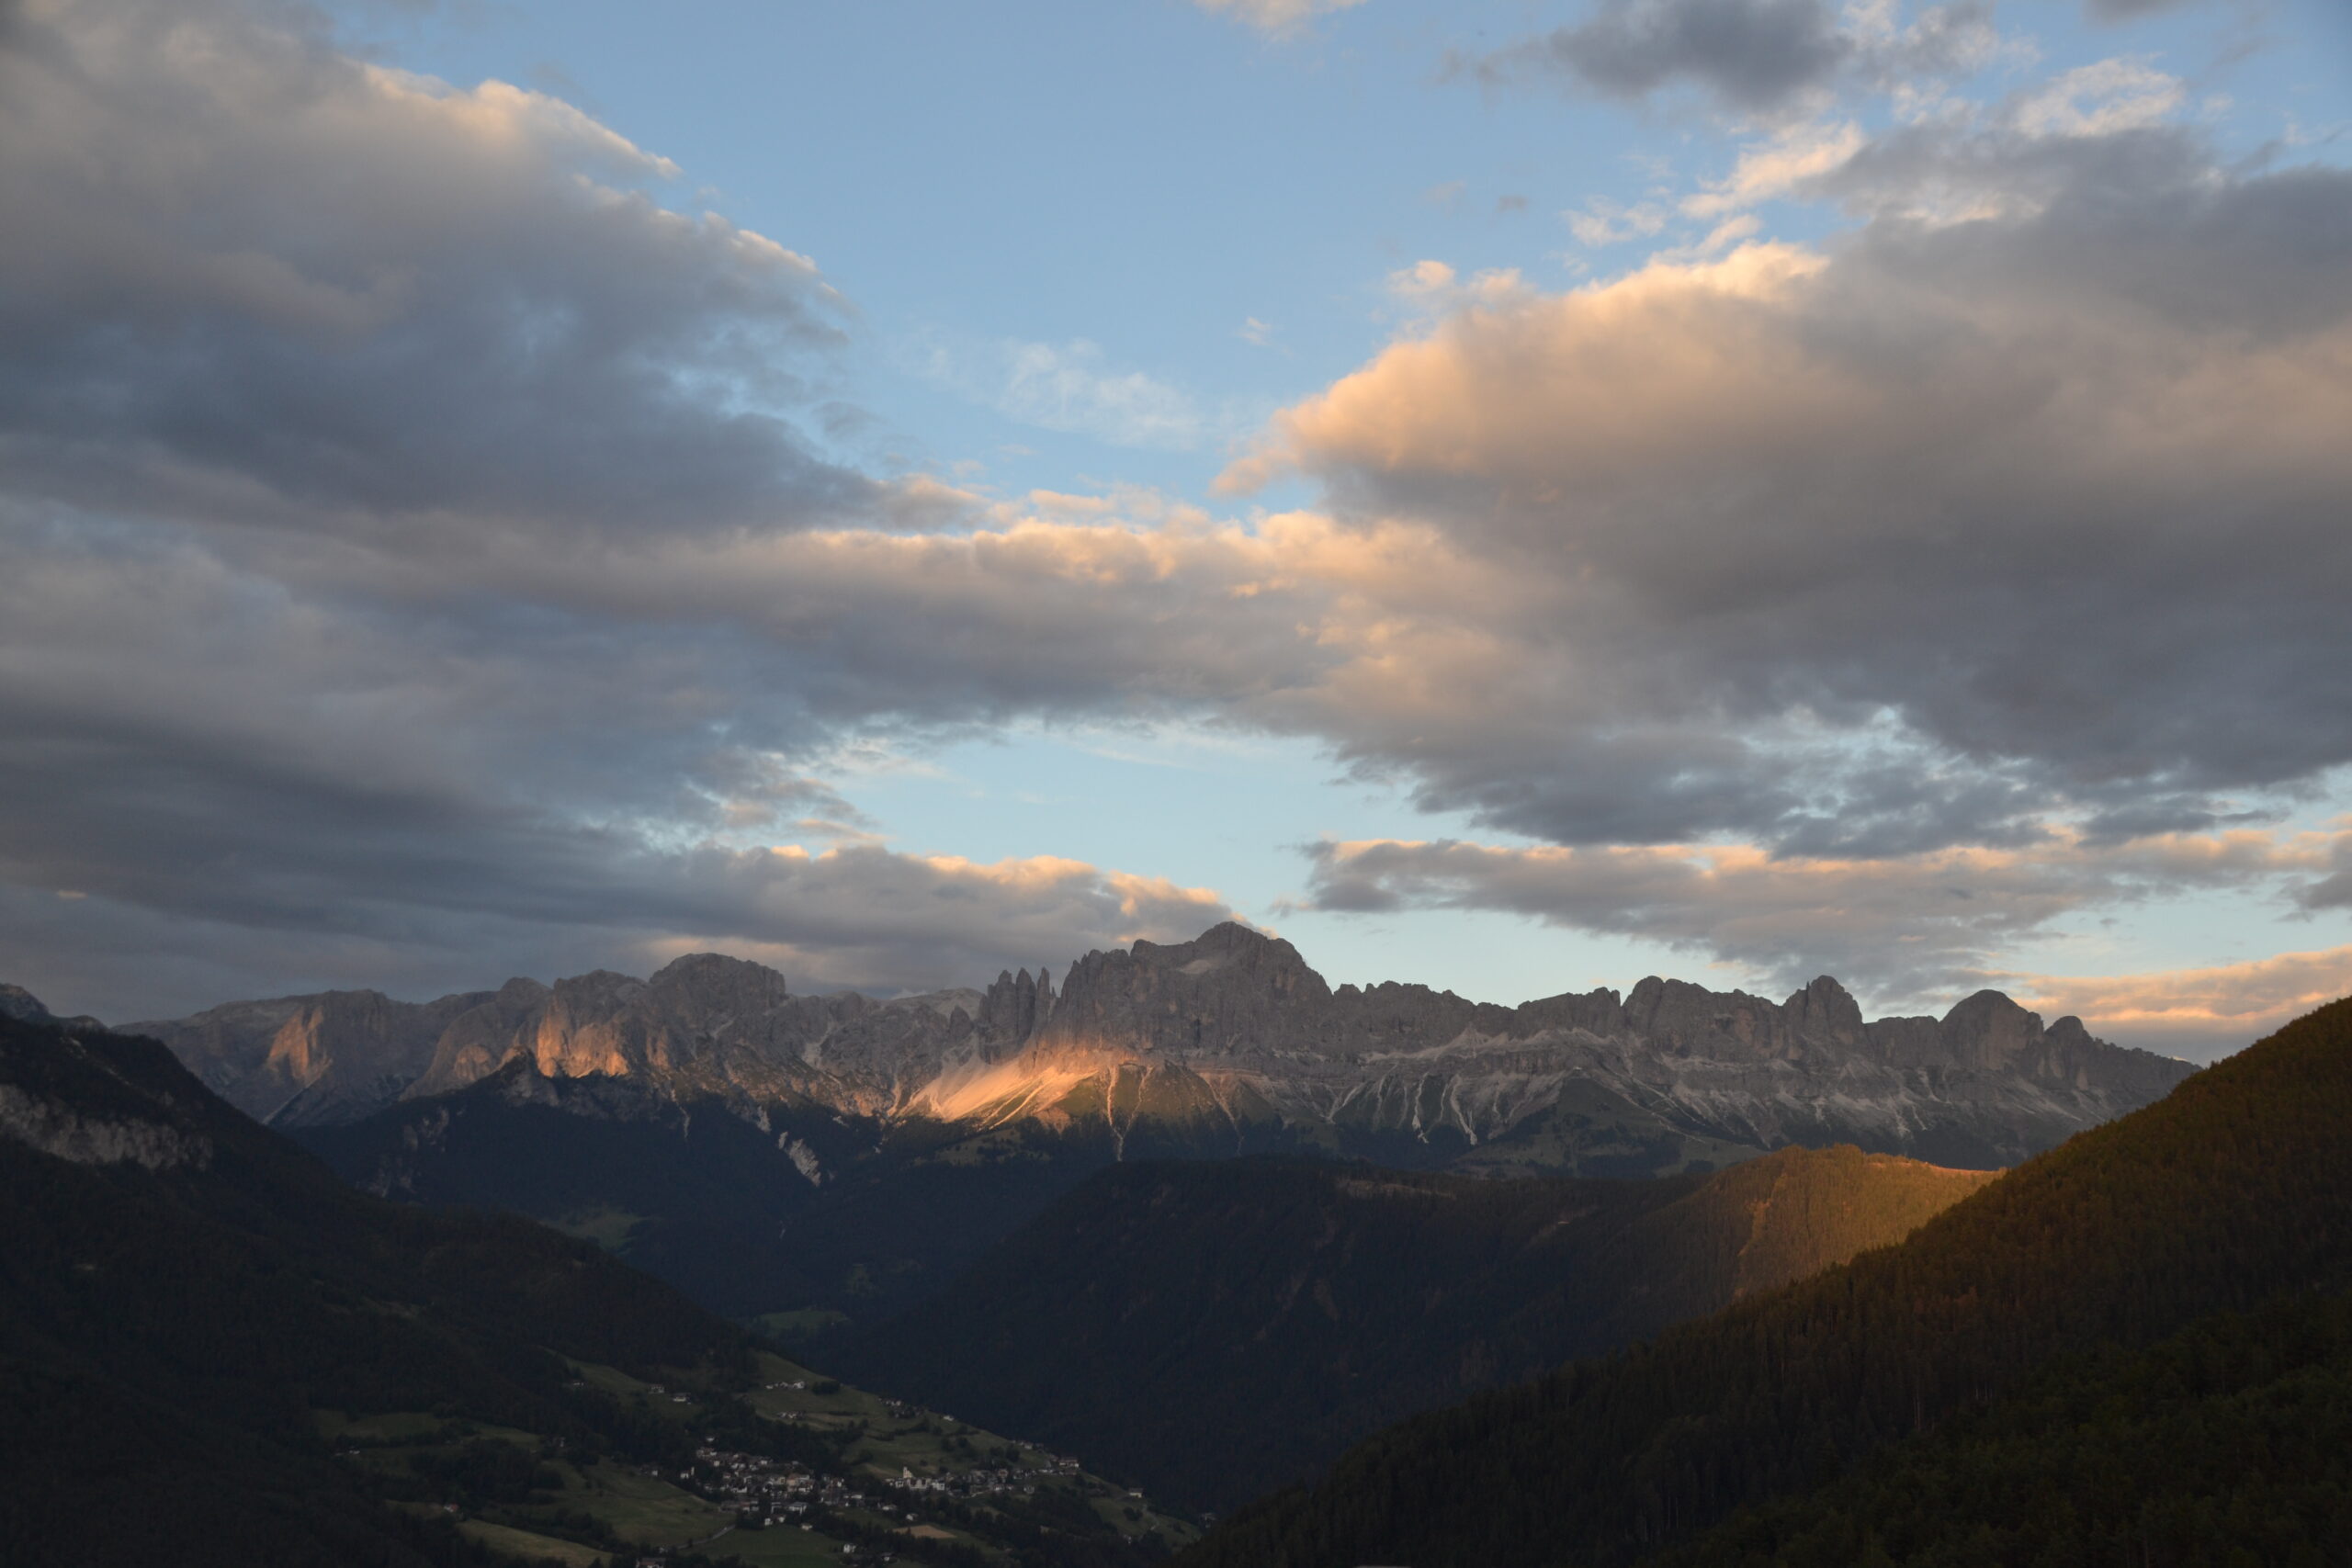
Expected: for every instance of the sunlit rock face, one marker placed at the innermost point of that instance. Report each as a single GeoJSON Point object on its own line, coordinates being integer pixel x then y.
{"type": "Point", "coordinates": [1219, 1039]}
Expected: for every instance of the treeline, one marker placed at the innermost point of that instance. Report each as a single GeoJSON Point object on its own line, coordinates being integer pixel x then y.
{"type": "Point", "coordinates": [2236, 1187]}
{"type": "Point", "coordinates": [2231, 1442]}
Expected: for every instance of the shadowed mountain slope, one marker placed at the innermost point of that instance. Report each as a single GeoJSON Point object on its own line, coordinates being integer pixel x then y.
{"type": "Point", "coordinates": [2235, 1188]}
{"type": "Point", "coordinates": [1214, 1330]}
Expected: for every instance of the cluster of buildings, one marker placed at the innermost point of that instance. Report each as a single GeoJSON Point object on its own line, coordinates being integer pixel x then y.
{"type": "Point", "coordinates": [757, 1487]}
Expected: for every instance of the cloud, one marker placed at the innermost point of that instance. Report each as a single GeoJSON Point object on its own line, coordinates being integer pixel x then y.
{"type": "Point", "coordinates": [2127, 10]}
{"type": "Point", "coordinates": [1908, 930]}
{"type": "Point", "coordinates": [1068, 388]}
{"type": "Point", "coordinates": [1799, 155]}
{"type": "Point", "coordinates": [252, 280]}
{"type": "Point", "coordinates": [1912, 542]}
{"type": "Point", "coordinates": [2198, 1014]}
{"type": "Point", "coordinates": [858, 916]}
{"type": "Point", "coordinates": [2100, 99]}
{"type": "Point", "coordinates": [1276, 18]}
{"type": "Point", "coordinates": [1754, 57]}
{"type": "Point", "coordinates": [1605, 222]}
{"type": "Point", "coordinates": [1756, 54]}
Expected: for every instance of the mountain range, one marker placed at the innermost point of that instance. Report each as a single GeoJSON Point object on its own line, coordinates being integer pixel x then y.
{"type": "Point", "coordinates": [826, 1162]}
{"type": "Point", "coordinates": [1227, 1033]}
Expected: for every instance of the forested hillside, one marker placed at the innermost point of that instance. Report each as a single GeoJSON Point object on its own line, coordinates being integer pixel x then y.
{"type": "Point", "coordinates": [2230, 1442]}
{"type": "Point", "coordinates": [1213, 1330]}
{"type": "Point", "coordinates": [2235, 1188]}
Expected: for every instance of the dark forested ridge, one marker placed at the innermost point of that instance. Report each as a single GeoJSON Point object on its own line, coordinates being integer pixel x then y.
{"type": "Point", "coordinates": [1211, 1330]}
{"type": "Point", "coordinates": [2231, 1191]}
{"type": "Point", "coordinates": [2230, 1442]}
{"type": "Point", "coordinates": [213, 1352]}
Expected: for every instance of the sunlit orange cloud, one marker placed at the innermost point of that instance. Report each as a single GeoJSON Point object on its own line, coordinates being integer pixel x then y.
{"type": "Point", "coordinates": [2200, 1012]}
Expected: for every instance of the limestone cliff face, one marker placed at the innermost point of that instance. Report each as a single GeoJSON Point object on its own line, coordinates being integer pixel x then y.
{"type": "Point", "coordinates": [1227, 1032]}
{"type": "Point", "coordinates": [321, 1058]}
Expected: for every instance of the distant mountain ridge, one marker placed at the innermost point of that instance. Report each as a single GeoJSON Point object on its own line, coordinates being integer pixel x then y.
{"type": "Point", "coordinates": [1229, 1031]}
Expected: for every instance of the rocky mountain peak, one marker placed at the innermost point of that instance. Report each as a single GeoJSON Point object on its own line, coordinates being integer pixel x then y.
{"type": "Point", "coordinates": [1230, 990]}
{"type": "Point", "coordinates": [1988, 1031]}
{"type": "Point", "coordinates": [1825, 1011]}
{"type": "Point", "coordinates": [1013, 1009]}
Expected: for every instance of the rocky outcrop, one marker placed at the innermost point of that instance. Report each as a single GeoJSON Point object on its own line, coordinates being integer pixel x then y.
{"type": "Point", "coordinates": [59, 1129]}
{"type": "Point", "coordinates": [1227, 1032]}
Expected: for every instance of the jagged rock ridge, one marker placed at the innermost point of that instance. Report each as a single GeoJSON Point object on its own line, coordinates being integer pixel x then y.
{"type": "Point", "coordinates": [1229, 1031]}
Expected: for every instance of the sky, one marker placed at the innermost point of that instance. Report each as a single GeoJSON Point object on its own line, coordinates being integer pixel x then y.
{"type": "Point", "coordinates": [1515, 497]}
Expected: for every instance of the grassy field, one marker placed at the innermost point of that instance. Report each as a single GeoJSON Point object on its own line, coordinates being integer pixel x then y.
{"type": "Point", "coordinates": [414, 1428]}
{"type": "Point", "coordinates": [642, 1507]}
{"type": "Point", "coordinates": [779, 1546]}
{"type": "Point", "coordinates": [523, 1543]}
{"type": "Point", "coordinates": [795, 1326]}
{"type": "Point", "coordinates": [608, 1228]}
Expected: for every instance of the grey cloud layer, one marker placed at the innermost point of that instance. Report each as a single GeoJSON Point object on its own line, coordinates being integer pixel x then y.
{"type": "Point", "coordinates": [1905, 930]}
